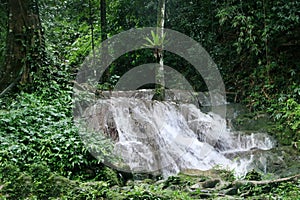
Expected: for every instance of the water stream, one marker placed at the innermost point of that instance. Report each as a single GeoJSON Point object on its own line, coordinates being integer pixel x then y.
{"type": "Point", "coordinates": [166, 137]}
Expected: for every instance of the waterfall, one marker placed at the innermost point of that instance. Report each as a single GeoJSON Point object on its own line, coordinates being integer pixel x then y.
{"type": "Point", "coordinates": [165, 137]}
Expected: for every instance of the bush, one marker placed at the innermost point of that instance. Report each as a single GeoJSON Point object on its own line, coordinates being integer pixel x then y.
{"type": "Point", "coordinates": [287, 113]}
{"type": "Point", "coordinates": [35, 128]}
{"type": "Point", "coordinates": [38, 182]}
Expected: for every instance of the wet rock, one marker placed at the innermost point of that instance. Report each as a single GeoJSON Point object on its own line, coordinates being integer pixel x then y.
{"type": "Point", "coordinates": [205, 195]}
{"type": "Point", "coordinates": [147, 136]}
{"type": "Point", "coordinates": [211, 183]}
{"type": "Point", "coordinates": [196, 186]}
{"type": "Point", "coordinates": [200, 173]}
{"type": "Point", "coordinates": [159, 182]}
{"type": "Point", "coordinates": [231, 191]}
{"type": "Point", "coordinates": [130, 183]}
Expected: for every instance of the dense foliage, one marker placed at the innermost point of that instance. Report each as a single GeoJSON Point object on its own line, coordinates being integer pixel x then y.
{"type": "Point", "coordinates": [255, 44]}
{"type": "Point", "coordinates": [2, 31]}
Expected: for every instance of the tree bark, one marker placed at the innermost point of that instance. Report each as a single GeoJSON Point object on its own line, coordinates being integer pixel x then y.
{"type": "Point", "coordinates": [245, 185]}
{"type": "Point", "coordinates": [24, 39]}
{"type": "Point", "coordinates": [91, 22]}
{"type": "Point", "coordinates": [103, 20]}
{"type": "Point", "coordinates": [159, 75]}
{"type": "Point", "coordinates": [103, 25]}
{"type": "Point", "coordinates": [267, 182]}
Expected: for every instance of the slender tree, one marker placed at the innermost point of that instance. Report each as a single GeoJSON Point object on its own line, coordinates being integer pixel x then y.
{"type": "Point", "coordinates": [103, 20]}
{"type": "Point", "coordinates": [23, 43]}
{"type": "Point", "coordinates": [91, 22]}
{"type": "Point", "coordinates": [103, 26]}
{"type": "Point", "coordinates": [159, 76]}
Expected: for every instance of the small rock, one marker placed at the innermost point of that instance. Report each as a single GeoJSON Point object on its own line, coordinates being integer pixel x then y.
{"type": "Point", "coordinates": [205, 195]}
{"type": "Point", "coordinates": [196, 186]}
{"type": "Point", "coordinates": [159, 182]}
{"type": "Point", "coordinates": [211, 183]}
{"type": "Point", "coordinates": [231, 191]}
{"type": "Point", "coordinates": [130, 183]}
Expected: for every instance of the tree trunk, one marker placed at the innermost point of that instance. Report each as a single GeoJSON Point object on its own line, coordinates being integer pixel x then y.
{"type": "Point", "coordinates": [159, 73]}
{"type": "Point", "coordinates": [159, 76]}
{"type": "Point", "coordinates": [246, 186]}
{"type": "Point", "coordinates": [104, 55]}
{"type": "Point", "coordinates": [24, 39]}
{"type": "Point", "coordinates": [91, 22]}
{"type": "Point", "coordinates": [103, 20]}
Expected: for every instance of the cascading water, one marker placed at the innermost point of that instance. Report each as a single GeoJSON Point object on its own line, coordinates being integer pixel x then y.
{"type": "Point", "coordinates": [165, 137]}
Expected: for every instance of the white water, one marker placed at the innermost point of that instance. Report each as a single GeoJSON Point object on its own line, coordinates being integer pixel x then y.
{"type": "Point", "coordinates": [163, 137]}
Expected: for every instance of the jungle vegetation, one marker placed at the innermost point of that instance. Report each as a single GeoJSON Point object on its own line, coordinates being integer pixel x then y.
{"type": "Point", "coordinates": [255, 44]}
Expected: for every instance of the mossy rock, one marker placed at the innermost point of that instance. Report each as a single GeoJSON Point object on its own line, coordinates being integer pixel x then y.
{"type": "Point", "coordinates": [207, 174]}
